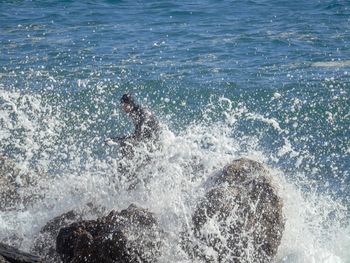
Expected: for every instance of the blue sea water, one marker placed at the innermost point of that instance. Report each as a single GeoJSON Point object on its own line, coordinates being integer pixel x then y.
{"type": "Point", "coordinates": [266, 79]}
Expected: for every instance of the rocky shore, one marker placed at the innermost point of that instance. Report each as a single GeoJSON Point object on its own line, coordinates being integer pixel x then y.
{"type": "Point", "coordinates": [239, 219]}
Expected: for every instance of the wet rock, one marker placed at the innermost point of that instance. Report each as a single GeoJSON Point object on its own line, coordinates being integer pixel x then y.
{"type": "Point", "coordinates": [131, 235]}
{"type": "Point", "coordinates": [45, 242]}
{"type": "Point", "coordinates": [240, 219]}
{"type": "Point", "coordinates": [9, 254]}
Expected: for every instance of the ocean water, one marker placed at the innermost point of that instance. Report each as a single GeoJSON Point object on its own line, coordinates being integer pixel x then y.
{"type": "Point", "coordinates": [265, 79]}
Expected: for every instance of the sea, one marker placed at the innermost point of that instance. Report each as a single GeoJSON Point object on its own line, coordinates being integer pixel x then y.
{"type": "Point", "coordinates": [268, 80]}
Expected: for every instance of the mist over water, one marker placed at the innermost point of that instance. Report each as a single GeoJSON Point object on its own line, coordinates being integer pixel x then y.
{"type": "Point", "coordinates": [265, 80]}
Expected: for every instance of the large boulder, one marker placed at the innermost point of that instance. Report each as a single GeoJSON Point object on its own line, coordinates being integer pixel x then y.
{"type": "Point", "coordinates": [240, 218]}
{"type": "Point", "coordinates": [45, 241]}
{"type": "Point", "coordinates": [132, 235]}
{"type": "Point", "coordinates": [9, 254]}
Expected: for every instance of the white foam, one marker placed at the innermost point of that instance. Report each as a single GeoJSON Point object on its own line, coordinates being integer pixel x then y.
{"type": "Point", "coordinates": [332, 64]}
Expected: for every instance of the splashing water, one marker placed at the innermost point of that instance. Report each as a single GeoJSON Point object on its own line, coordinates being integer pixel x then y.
{"type": "Point", "coordinates": [264, 79]}
{"type": "Point", "coordinates": [45, 137]}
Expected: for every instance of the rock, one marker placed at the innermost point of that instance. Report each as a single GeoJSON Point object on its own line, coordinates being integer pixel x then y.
{"type": "Point", "coordinates": [9, 254]}
{"type": "Point", "coordinates": [45, 242]}
{"type": "Point", "coordinates": [132, 235]}
{"type": "Point", "coordinates": [240, 219]}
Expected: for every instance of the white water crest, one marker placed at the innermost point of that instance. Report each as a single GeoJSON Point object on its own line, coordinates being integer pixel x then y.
{"type": "Point", "coordinates": [332, 64]}
{"type": "Point", "coordinates": [172, 178]}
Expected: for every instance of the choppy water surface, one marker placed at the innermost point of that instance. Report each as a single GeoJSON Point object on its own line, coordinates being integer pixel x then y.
{"type": "Point", "coordinates": [265, 79]}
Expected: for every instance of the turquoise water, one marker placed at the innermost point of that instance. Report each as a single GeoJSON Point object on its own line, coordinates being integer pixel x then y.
{"type": "Point", "coordinates": [267, 79]}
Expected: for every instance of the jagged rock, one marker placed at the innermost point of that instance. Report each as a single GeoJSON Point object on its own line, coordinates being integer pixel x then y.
{"type": "Point", "coordinates": [9, 254]}
{"type": "Point", "coordinates": [45, 242]}
{"type": "Point", "coordinates": [132, 235]}
{"type": "Point", "coordinates": [240, 219]}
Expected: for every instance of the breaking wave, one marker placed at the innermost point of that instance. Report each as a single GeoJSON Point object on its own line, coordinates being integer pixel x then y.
{"type": "Point", "coordinates": [59, 145]}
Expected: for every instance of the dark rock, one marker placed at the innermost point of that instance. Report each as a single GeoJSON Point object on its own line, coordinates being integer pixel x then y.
{"type": "Point", "coordinates": [131, 235]}
{"type": "Point", "coordinates": [240, 219]}
{"type": "Point", "coordinates": [13, 255]}
{"type": "Point", "coordinates": [45, 242]}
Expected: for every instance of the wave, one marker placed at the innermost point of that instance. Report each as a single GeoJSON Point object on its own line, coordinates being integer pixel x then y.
{"type": "Point", "coordinates": [332, 64]}
{"type": "Point", "coordinates": [37, 136]}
